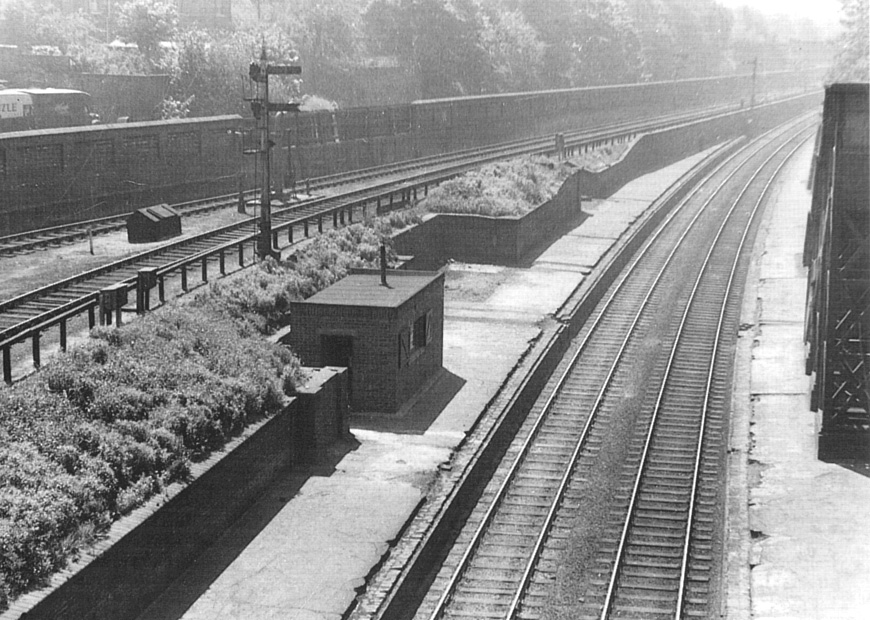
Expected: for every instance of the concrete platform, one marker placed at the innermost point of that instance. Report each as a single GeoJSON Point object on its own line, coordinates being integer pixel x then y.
{"type": "Point", "coordinates": [802, 549]}
{"type": "Point", "coordinates": [306, 547]}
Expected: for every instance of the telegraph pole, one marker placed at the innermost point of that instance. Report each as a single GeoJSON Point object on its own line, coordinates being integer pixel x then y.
{"type": "Point", "coordinates": [262, 107]}
{"type": "Point", "coordinates": [754, 74]}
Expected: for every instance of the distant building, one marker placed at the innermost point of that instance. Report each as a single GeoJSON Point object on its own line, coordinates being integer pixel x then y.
{"type": "Point", "coordinates": [204, 13]}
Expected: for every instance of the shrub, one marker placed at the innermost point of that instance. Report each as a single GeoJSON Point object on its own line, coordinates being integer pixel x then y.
{"type": "Point", "coordinates": [500, 189]}
{"type": "Point", "coordinates": [262, 297]}
{"type": "Point", "coordinates": [107, 425]}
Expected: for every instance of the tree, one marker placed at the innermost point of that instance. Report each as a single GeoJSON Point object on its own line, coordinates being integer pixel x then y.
{"type": "Point", "coordinates": [147, 23]}
{"type": "Point", "coordinates": [656, 39]}
{"type": "Point", "coordinates": [328, 37]}
{"type": "Point", "coordinates": [556, 22]}
{"type": "Point", "coordinates": [515, 53]}
{"type": "Point", "coordinates": [606, 46]}
{"type": "Point", "coordinates": [755, 39]}
{"type": "Point", "coordinates": [701, 32]}
{"type": "Point", "coordinates": [27, 24]}
{"type": "Point", "coordinates": [440, 39]}
{"type": "Point", "coordinates": [212, 77]}
{"type": "Point", "coordinates": [854, 44]}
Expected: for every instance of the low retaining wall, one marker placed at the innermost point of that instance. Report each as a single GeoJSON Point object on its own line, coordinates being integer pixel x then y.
{"type": "Point", "coordinates": [663, 148]}
{"type": "Point", "coordinates": [493, 240]}
{"type": "Point", "coordinates": [513, 240]}
{"type": "Point", "coordinates": [150, 548]}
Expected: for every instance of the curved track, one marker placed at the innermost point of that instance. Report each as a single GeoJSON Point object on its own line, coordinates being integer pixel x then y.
{"type": "Point", "coordinates": [30, 315]}
{"type": "Point", "coordinates": [450, 163]}
{"type": "Point", "coordinates": [649, 368]}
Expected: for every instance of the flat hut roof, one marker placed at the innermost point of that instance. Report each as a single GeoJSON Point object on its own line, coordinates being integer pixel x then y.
{"type": "Point", "coordinates": [363, 288]}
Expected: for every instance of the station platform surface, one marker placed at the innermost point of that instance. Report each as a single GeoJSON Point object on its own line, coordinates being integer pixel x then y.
{"type": "Point", "coordinates": [303, 551]}
{"type": "Point", "coordinates": [798, 545]}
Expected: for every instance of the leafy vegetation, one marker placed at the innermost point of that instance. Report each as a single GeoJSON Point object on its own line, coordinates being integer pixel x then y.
{"type": "Point", "coordinates": [512, 187]}
{"type": "Point", "coordinates": [262, 297]}
{"type": "Point", "coordinates": [853, 60]}
{"type": "Point", "coordinates": [104, 427]}
{"type": "Point", "coordinates": [443, 47]}
{"type": "Point", "coordinates": [507, 188]}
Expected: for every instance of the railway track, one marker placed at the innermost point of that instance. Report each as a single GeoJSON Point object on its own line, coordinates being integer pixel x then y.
{"type": "Point", "coordinates": [450, 163]}
{"type": "Point", "coordinates": [617, 467]}
{"type": "Point", "coordinates": [31, 315]}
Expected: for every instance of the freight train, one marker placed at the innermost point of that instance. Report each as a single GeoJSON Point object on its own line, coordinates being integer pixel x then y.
{"type": "Point", "coordinates": [59, 176]}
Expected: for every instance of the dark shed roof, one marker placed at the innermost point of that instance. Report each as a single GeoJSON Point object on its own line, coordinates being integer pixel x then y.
{"type": "Point", "coordinates": [364, 288]}
{"type": "Point", "coordinates": [158, 212]}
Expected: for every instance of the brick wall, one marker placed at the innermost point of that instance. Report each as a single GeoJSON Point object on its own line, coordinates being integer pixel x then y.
{"type": "Point", "coordinates": [375, 348]}
{"type": "Point", "coordinates": [379, 383]}
{"type": "Point", "coordinates": [512, 241]}
{"type": "Point", "coordinates": [492, 240]}
{"type": "Point", "coordinates": [660, 149]}
{"type": "Point", "coordinates": [422, 368]}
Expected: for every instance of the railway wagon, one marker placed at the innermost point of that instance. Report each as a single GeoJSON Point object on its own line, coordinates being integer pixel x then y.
{"type": "Point", "coordinates": [462, 122]}
{"type": "Point", "coordinates": [837, 253]}
{"type": "Point", "coordinates": [60, 176]}
{"type": "Point", "coordinates": [324, 142]}
{"type": "Point", "coordinates": [50, 177]}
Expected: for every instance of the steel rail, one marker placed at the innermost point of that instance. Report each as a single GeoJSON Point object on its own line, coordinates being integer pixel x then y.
{"type": "Point", "coordinates": [28, 240]}
{"type": "Point", "coordinates": [538, 549]}
{"type": "Point", "coordinates": [34, 321]}
{"type": "Point", "coordinates": [719, 326]}
{"type": "Point", "coordinates": [492, 508]}
{"type": "Point", "coordinates": [14, 332]}
{"type": "Point", "coordinates": [347, 198]}
{"type": "Point", "coordinates": [610, 595]}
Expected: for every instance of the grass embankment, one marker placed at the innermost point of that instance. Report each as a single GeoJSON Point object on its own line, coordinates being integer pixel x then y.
{"type": "Point", "coordinates": [104, 427]}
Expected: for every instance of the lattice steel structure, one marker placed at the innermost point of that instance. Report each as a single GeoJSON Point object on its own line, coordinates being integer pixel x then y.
{"type": "Point", "coordinates": [837, 250]}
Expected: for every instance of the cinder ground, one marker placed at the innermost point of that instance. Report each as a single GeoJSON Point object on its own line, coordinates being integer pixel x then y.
{"type": "Point", "coordinates": [24, 272]}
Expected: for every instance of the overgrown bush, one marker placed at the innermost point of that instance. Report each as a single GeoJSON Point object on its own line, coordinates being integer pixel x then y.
{"type": "Point", "coordinates": [262, 297]}
{"type": "Point", "coordinates": [500, 189]}
{"type": "Point", "coordinates": [104, 427]}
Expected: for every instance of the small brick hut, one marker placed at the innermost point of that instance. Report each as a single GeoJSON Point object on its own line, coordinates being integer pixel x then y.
{"type": "Point", "coordinates": [389, 336]}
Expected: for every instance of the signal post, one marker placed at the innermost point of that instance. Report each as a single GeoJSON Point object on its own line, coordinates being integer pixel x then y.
{"type": "Point", "coordinates": [261, 108]}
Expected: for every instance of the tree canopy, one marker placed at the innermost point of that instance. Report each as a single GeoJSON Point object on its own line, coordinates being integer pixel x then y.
{"type": "Point", "coordinates": [437, 48]}
{"type": "Point", "coordinates": [854, 50]}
